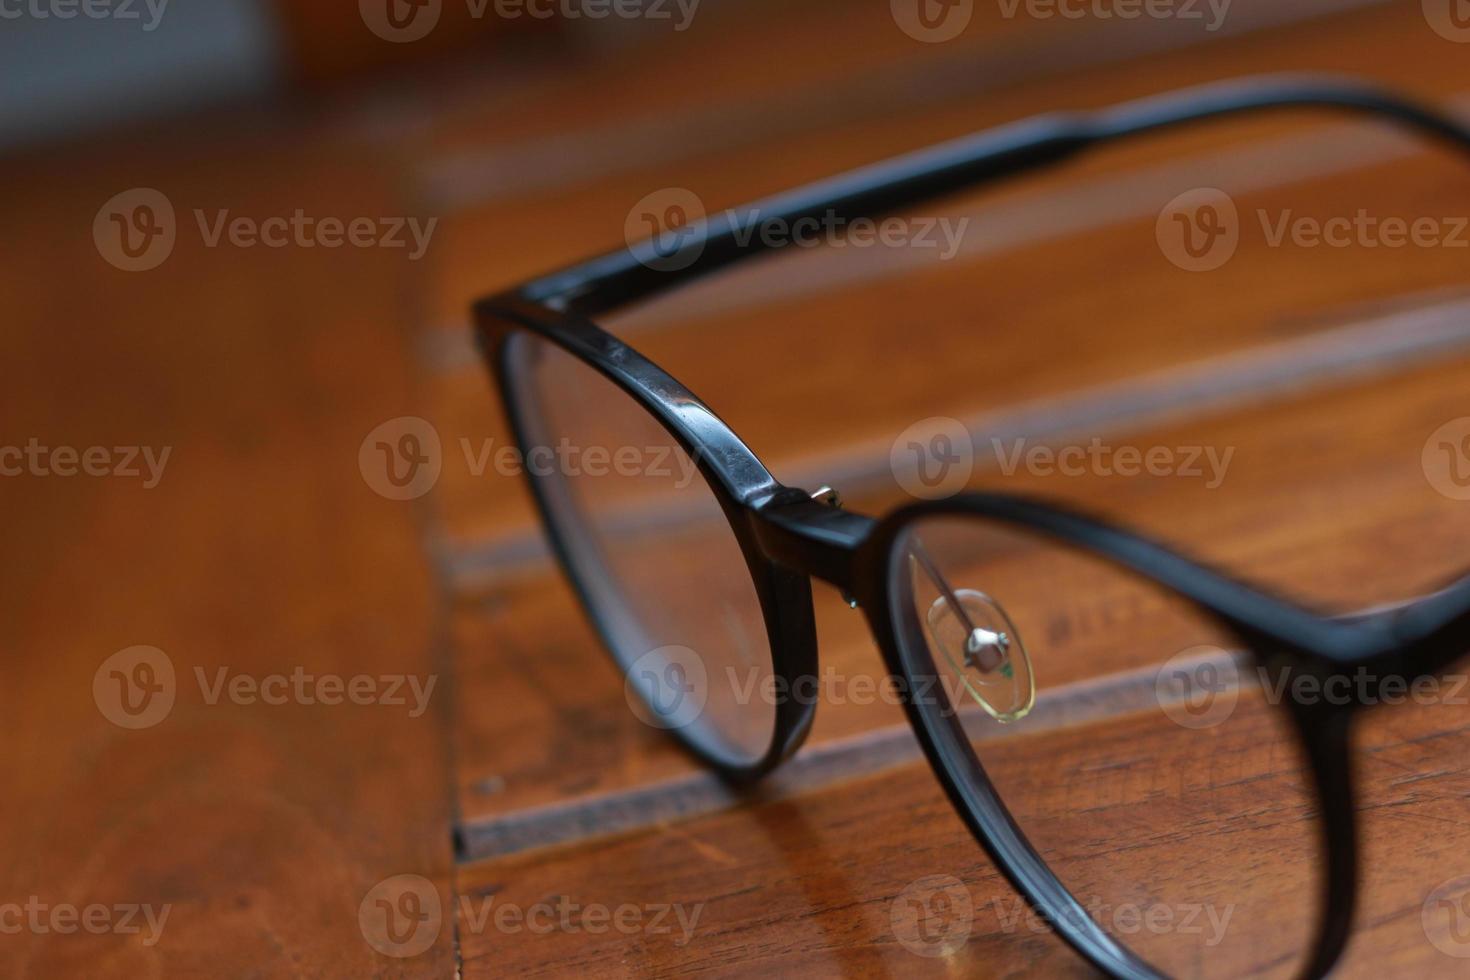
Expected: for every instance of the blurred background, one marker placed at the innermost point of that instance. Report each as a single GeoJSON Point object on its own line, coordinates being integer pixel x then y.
{"type": "Point", "coordinates": [250, 233]}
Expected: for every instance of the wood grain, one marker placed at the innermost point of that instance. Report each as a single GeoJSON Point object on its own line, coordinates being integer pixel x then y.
{"type": "Point", "coordinates": [586, 841]}
{"type": "Point", "coordinates": [1055, 327]}
{"type": "Point", "coordinates": [261, 550]}
{"type": "Point", "coordinates": [1351, 455]}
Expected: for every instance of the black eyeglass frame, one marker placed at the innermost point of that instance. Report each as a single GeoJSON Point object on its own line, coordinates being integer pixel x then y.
{"type": "Point", "coordinates": [788, 538]}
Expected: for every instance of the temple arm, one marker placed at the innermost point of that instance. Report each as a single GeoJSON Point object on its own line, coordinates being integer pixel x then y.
{"type": "Point", "coordinates": [643, 270]}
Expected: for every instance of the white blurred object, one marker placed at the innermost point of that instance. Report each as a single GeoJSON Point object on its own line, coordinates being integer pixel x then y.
{"type": "Point", "coordinates": [68, 66]}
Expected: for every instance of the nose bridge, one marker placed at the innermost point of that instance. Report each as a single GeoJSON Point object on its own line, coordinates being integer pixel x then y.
{"type": "Point", "coordinates": [814, 537]}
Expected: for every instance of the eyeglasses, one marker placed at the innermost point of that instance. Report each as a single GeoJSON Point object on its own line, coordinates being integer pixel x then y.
{"type": "Point", "coordinates": [1239, 854]}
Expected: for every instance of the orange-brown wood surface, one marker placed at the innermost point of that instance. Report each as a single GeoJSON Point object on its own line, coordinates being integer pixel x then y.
{"type": "Point", "coordinates": [272, 831]}
{"type": "Point", "coordinates": [258, 550]}
{"type": "Point", "coordinates": [1061, 311]}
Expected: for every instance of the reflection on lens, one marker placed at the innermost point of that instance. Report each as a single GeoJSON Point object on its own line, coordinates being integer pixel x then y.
{"type": "Point", "coordinates": [652, 552]}
{"type": "Point", "coordinates": [972, 635]}
{"type": "Point", "coordinates": [1151, 773]}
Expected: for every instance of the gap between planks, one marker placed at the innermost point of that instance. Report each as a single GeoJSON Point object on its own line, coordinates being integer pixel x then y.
{"type": "Point", "coordinates": [1394, 340]}
{"type": "Point", "coordinates": [476, 177]}
{"type": "Point", "coordinates": [1027, 219]}
{"type": "Point", "coordinates": [812, 768]}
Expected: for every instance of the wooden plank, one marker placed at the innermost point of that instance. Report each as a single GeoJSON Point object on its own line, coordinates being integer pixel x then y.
{"type": "Point", "coordinates": [505, 240]}
{"type": "Point", "coordinates": [837, 882]}
{"type": "Point", "coordinates": [1414, 785]}
{"type": "Point", "coordinates": [1390, 338]}
{"type": "Point", "coordinates": [564, 793]}
{"type": "Point", "coordinates": [1344, 464]}
{"type": "Point", "coordinates": [270, 832]}
{"type": "Point", "coordinates": [834, 883]}
{"type": "Point", "coordinates": [492, 147]}
{"type": "Point", "coordinates": [1092, 227]}
{"type": "Point", "coordinates": [261, 551]}
{"type": "Point", "coordinates": [1226, 316]}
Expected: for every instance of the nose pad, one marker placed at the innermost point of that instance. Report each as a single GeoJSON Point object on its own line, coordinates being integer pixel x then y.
{"type": "Point", "coordinates": [986, 652]}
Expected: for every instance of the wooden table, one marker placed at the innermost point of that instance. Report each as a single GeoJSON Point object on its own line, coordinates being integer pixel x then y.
{"type": "Point", "coordinates": [288, 839]}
